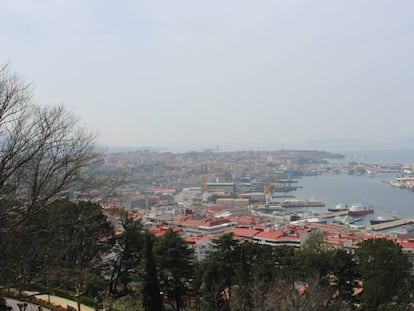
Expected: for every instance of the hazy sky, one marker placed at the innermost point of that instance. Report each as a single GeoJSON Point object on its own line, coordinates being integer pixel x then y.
{"type": "Point", "coordinates": [228, 73]}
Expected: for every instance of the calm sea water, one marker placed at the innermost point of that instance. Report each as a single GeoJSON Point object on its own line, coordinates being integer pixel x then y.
{"type": "Point", "coordinates": [380, 156]}
{"type": "Point", "coordinates": [369, 190]}
{"type": "Point", "coordinates": [334, 189]}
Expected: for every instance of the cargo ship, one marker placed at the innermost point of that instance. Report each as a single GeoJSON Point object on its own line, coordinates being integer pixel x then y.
{"type": "Point", "coordinates": [358, 209]}
{"type": "Point", "coordinates": [340, 207]}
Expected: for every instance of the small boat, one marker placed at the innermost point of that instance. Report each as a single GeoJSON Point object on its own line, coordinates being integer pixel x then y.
{"type": "Point", "coordinates": [358, 209]}
{"type": "Point", "coordinates": [396, 183]}
{"type": "Point", "coordinates": [339, 208]}
{"type": "Point", "coordinates": [381, 219]}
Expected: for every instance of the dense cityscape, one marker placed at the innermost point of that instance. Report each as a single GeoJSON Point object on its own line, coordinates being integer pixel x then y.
{"type": "Point", "coordinates": [206, 203]}
{"type": "Point", "coordinates": [205, 194]}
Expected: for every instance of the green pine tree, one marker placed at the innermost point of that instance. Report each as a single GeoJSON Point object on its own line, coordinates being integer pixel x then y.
{"type": "Point", "coordinates": [151, 298]}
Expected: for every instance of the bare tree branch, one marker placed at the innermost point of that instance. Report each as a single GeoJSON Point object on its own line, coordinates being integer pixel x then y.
{"type": "Point", "coordinates": [42, 149]}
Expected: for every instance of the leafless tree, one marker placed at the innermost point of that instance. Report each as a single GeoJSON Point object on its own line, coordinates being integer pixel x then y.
{"type": "Point", "coordinates": [42, 149]}
{"type": "Point", "coordinates": [43, 152]}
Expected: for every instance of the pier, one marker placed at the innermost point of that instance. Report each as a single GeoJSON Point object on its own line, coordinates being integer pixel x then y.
{"type": "Point", "coordinates": [391, 224]}
{"type": "Point", "coordinates": [332, 214]}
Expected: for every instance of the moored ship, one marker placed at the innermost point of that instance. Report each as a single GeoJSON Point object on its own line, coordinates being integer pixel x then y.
{"type": "Point", "coordinates": [358, 209]}
{"type": "Point", "coordinates": [382, 219]}
{"type": "Point", "coordinates": [339, 208]}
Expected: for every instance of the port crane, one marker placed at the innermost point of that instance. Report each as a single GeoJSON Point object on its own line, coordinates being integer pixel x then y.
{"type": "Point", "coordinates": [268, 194]}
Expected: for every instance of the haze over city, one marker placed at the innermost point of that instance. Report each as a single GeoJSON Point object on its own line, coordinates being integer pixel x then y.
{"type": "Point", "coordinates": [248, 74]}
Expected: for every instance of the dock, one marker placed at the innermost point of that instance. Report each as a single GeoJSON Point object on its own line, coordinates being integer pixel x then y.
{"type": "Point", "coordinates": [391, 224]}
{"type": "Point", "coordinates": [332, 214]}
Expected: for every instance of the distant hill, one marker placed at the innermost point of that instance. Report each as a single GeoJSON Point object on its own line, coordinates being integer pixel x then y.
{"type": "Point", "coordinates": [347, 144]}
{"type": "Point", "coordinates": [117, 149]}
{"type": "Point", "coordinates": [333, 144]}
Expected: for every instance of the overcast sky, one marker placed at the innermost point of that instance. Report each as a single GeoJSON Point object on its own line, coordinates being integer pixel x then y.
{"type": "Point", "coordinates": [228, 73]}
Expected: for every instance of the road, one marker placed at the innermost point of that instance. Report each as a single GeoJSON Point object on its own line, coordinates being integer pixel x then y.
{"type": "Point", "coordinates": [58, 301]}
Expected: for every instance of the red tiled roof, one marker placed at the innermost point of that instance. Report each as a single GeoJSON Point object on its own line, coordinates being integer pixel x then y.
{"type": "Point", "coordinates": [243, 232]}
{"type": "Point", "coordinates": [217, 208]}
{"type": "Point", "coordinates": [272, 235]}
{"type": "Point", "coordinates": [192, 223]}
{"type": "Point", "coordinates": [405, 244]}
{"type": "Point", "coordinates": [247, 220]}
{"type": "Point", "coordinates": [159, 231]}
{"type": "Point", "coordinates": [206, 222]}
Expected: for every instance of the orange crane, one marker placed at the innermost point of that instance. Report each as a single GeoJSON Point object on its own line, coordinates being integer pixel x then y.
{"type": "Point", "coordinates": [268, 194]}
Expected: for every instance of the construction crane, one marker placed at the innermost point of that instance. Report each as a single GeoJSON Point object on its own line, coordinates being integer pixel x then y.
{"type": "Point", "coordinates": [268, 194]}
{"type": "Point", "coordinates": [203, 184]}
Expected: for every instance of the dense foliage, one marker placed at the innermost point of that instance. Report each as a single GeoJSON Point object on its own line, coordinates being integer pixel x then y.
{"type": "Point", "coordinates": [175, 268]}
{"type": "Point", "coordinates": [246, 276]}
{"type": "Point", "coordinates": [66, 246]}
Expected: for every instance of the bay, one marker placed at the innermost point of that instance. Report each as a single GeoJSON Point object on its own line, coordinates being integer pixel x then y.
{"type": "Point", "coordinates": [348, 189]}
{"type": "Point", "coordinates": [380, 156]}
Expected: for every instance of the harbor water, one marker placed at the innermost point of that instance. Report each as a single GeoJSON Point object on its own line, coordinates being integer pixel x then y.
{"type": "Point", "coordinates": [348, 189]}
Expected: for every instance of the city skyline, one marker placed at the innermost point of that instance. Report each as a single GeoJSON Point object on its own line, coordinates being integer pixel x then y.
{"type": "Point", "coordinates": [238, 73]}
